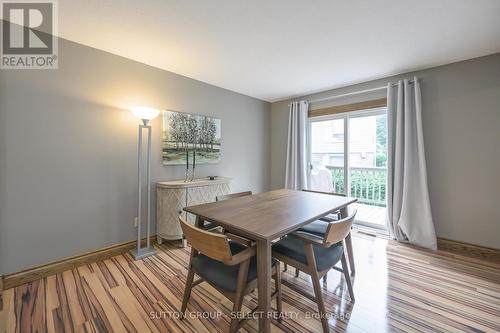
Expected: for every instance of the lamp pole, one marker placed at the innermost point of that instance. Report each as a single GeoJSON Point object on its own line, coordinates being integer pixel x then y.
{"type": "Point", "coordinates": [138, 252]}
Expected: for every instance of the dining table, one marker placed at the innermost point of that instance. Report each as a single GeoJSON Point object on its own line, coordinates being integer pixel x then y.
{"type": "Point", "coordinates": [265, 217]}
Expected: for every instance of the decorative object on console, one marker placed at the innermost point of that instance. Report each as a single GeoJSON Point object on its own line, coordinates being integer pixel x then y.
{"type": "Point", "coordinates": [145, 114]}
{"type": "Point", "coordinates": [187, 165]}
{"type": "Point", "coordinates": [173, 196]}
{"type": "Point", "coordinates": [194, 164]}
{"type": "Point", "coordinates": [190, 174]}
{"type": "Point", "coordinates": [184, 133]}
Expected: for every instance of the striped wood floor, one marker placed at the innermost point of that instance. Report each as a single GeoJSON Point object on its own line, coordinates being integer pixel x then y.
{"type": "Point", "coordinates": [397, 288]}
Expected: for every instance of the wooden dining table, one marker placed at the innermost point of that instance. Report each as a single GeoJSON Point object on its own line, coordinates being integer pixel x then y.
{"type": "Point", "coordinates": [265, 217]}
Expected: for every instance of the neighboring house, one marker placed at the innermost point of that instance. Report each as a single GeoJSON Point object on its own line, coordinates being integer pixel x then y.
{"type": "Point", "coordinates": [327, 143]}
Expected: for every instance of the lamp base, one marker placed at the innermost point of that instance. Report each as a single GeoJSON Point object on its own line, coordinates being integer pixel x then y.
{"type": "Point", "coordinates": [142, 253]}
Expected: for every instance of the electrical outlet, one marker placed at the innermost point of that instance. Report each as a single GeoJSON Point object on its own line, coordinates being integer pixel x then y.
{"type": "Point", "coordinates": [136, 222]}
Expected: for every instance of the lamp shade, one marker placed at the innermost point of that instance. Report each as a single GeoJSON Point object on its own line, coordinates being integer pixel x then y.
{"type": "Point", "coordinates": [145, 112]}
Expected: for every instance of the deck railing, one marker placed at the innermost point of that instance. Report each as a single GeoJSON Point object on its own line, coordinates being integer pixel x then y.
{"type": "Point", "coordinates": [368, 185]}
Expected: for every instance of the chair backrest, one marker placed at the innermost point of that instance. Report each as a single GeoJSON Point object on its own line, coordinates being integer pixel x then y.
{"type": "Point", "coordinates": [321, 192]}
{"type": "Point", "coordinates": [232, 195]}
{"type": "Point", "coordinates": [213, 245]}
{"type": "Point", "coordinates": [338, 230]}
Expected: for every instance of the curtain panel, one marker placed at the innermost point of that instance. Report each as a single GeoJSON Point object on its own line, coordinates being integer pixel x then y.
{"type": "Point", "coordinates": [296, 154]}
{"type": "Point", "coordinates": [408, 204]}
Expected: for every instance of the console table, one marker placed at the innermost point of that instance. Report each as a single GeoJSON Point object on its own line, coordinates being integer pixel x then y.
{"type": "Point", "coordinates": [173, 196]}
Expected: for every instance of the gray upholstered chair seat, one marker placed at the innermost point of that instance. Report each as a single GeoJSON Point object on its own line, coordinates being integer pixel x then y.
{"type": "Point", "coordinates": [331, 217]}
{"type": "Point", "coordinates": [317, 227]}
{"type": "Point", "coordinates": [221, 275]}
{"type": "Point", "coordinates": [208, 225]}
{"type": "Point", "coordinates": [293, 247]}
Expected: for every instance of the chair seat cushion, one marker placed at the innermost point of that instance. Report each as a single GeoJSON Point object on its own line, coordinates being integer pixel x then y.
{"type": "Point", "coordinates": [331, 217]}
{"type": "Point", "coordinates": [221, 275]}
{"type": "Point", "coordinates": [208, 225]}
{"type": "Point", "coordinates": [317, 227]}
{"type": "Point", "coordinates": [293, 247]}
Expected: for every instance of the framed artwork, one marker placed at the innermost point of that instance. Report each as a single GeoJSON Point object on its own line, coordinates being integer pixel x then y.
{"type": "Point", "coordinates": [184, 133]}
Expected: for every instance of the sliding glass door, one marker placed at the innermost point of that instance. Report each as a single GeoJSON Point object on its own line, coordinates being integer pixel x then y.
{"type": "Point", "coordinates": [348, 154]}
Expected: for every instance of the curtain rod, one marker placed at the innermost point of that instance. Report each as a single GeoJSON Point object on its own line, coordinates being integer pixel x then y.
{"type": "Point", "coordinates": [351, 93]}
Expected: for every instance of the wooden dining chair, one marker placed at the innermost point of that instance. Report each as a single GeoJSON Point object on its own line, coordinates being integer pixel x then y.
{"type": "Point", "coordinates": [335, 216]}
{"type": "Point", "coordinates": [315, 256]}
{"type": "Point", "coordinates": [320, 226]}
{"type": "Point", "coordinates": [229, 267]}
{"type": "Point", "coordinates": [228, 197]}
{"type": "Point", "coordinates": [210, 225]}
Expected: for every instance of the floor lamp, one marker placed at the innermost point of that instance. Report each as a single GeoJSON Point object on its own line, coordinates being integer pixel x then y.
{"type": "Point", "coordinates": [145, 114]}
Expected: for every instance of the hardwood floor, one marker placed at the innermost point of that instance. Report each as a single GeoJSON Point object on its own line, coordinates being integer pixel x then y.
{"type": "Point", "coordinates": [397, 288]}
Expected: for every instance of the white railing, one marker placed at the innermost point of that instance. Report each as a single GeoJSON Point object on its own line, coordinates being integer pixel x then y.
{"type": "Point", "coordinates": [368, 185]}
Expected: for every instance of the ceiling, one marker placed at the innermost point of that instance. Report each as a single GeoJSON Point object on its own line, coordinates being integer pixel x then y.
{"type": "Point", "coordinates": [273, 50]}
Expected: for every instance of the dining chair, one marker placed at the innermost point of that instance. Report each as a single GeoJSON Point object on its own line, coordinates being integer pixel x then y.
{"type": "Point", "coordinates": [209, 225]}
{"type": "Point", "coordinates": [229, 267]}
{"type": "Point", "coordinates": [234, 196]}
{"type": "Point", "coordinates": [315, 256]}
{"type": "Point", "coordinates": [335, 216]}
{"type": "Point", "coordinates": [319, 226]}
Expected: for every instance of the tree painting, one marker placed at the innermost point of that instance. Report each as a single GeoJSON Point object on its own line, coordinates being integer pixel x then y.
{"type": "Point", "coordinates": [184, 132]}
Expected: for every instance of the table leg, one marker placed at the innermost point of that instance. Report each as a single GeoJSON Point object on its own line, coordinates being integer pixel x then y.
{"type": "Point", "coordinates": [348, 243]}
{"type": "Point", "coordinates": [264, 284]}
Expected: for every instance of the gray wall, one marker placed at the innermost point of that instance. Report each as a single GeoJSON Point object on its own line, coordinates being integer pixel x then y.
{"type": "Point", "coordinates": [68, 150]}
{"type": "Point", "coordinates": [461, 121]}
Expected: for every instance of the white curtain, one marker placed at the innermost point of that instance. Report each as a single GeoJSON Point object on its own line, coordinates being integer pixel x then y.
{"type": "Point", "coordinates": [296, 156]}
{"type": "Point", "coordinates": [408, 204]}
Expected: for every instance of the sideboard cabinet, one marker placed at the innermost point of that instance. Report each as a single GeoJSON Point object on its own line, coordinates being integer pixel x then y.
{"type": "Point", "coordinates": [173, 196]}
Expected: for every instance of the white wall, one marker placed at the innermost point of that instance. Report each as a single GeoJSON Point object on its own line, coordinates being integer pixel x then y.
{"type": "Point", "coordinates": [68, 150]}
{"type": "Point", "coordinates": [461, 121]}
